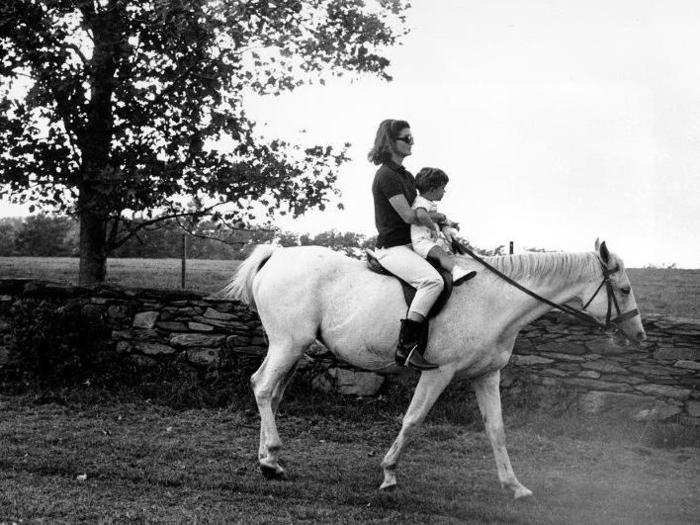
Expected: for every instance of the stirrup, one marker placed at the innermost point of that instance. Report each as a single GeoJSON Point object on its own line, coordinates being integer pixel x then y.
{"type": "Point", "coordinates": [416, 361]}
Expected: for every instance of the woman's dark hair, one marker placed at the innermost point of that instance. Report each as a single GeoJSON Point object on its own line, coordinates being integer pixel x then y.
{"type": "Point", "coordinates": [387, 134]}
{"type": "Point", "coordinates": [430, 178]}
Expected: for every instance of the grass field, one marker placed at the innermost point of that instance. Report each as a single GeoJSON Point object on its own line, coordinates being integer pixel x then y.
{"type": "Point", "coordinates": [669, 292]}
{"type": "Point", "coordinates": [143, 463]}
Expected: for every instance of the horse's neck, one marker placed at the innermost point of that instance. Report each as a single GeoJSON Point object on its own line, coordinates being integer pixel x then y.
{"type": "Point", "coordinates": [557, 277]}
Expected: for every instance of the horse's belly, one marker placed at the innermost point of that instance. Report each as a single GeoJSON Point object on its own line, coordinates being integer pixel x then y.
{"type": "Point", "coordinates": [361, 326]}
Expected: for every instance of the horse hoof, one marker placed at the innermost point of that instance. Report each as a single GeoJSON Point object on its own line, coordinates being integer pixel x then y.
{"type": "Point", "coordinates": [388, 487]}
{"type": "Point", "coordinates": [522, 492]}
{"type": "Point", "coordinates": [272, 472]}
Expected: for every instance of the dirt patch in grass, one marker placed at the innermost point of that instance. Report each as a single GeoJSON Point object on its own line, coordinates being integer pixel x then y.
{"type": "Point", "coordinates": [149, 462]}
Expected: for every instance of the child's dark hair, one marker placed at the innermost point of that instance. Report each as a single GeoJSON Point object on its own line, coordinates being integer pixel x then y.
{"type": "Point", "coordinates": [430, 178]}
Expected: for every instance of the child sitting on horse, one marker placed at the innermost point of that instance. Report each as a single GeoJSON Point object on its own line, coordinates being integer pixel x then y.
{"type": "Point", "coordinates": [435, 244]}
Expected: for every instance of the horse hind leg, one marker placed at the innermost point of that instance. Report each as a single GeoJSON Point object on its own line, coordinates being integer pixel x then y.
{"type": "Point", "coordinates": [489, 398]}
{"type": "Point", "coordinates": [281, 387]}
{"type": "Point", "coordinates": [277, 394]}
{"type": "Point", "coordinates": [268, 384]}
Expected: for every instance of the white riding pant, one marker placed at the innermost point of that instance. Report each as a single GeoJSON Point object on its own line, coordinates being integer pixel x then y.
{"type": "Point", "coordinates": [416, 271]}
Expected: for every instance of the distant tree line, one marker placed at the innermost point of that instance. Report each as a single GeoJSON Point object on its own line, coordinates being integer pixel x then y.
{"type": "Point", "coordinates": [39, 235]}
{"type": "Point", "coordinates": [44, 235]}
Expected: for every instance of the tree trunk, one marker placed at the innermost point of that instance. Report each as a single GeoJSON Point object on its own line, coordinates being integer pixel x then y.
{"type": "Point", "coordinates": [95, 190]}
{"type": "Point", "coordinates": [93, 240]}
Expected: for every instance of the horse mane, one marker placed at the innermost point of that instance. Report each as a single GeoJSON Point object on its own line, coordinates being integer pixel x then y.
{"type": "Point", "coordinates": [540, 265]}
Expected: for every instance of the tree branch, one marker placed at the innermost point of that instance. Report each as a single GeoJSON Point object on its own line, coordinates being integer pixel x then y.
{"type": "Point", "coordinates": [229, 243]}
{"type": "Point", "coordinates": [115, 229]}
{"type": "Point", "coordinates": [78, 52]}
{"type": "Point", "coordinates": [140, 226]}
{"type": "Point", "coordinates": [203, 236]}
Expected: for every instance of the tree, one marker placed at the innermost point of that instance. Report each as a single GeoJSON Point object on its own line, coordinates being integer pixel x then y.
{"type": "Point", "coordinates": [126, 97]}
{"type": "Point", "coordinates": [9, 227]}
{"type": "Point", "coordinates": [349, 243]}
{"type": "Point", "coordinates": [42, 235]}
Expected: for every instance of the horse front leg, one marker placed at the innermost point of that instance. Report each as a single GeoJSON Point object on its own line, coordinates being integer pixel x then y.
{"type": "Point", "coordinates": [429, 388]}
{"type": "Point", "coordinates": [488, 396]}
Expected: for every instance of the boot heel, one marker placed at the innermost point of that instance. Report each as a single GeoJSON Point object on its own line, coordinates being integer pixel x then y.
{"type": "Point", "coordinates": [408, 353]}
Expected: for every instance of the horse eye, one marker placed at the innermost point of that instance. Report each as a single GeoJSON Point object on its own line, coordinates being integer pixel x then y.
{"type": "Point", "coordinates": [626, 290]}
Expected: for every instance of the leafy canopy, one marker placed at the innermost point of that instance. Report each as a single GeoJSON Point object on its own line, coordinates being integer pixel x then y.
{"type": "Point", "coordinates": [125, 97]}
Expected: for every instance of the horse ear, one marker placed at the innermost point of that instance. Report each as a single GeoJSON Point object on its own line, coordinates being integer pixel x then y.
{"type": "Point", "coordinates": [597, 244]}
{"type": "Point", "coordinates": [604, 253]}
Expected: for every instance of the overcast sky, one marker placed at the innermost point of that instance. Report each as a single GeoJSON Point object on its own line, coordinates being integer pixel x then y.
{"type": "Point", "coordinates": [557, 122]}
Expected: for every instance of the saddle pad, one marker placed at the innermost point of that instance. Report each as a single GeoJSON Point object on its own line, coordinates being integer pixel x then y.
{"type": "Point", "coordinates": [409, 292]}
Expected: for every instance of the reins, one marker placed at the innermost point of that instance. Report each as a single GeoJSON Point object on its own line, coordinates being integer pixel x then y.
{"type": "Point", "coordinates": [612, 300]}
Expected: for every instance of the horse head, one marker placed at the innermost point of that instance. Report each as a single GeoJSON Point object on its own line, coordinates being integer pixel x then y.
{"type": "Point", "coordinates": [612, 301]}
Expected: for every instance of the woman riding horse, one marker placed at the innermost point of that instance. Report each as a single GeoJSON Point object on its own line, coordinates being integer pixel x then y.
{"type": "Point", "coordinates": [394, 190]}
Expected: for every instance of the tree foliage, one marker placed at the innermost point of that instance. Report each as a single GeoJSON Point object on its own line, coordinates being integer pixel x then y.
{"type": "Point", "coordinates": [126, 97]}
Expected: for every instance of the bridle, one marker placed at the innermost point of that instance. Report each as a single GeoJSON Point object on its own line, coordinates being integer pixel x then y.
{"type": "Point", "coordinates": [612, 300]}
{"type": "Point", "coordinates": [580, 314]}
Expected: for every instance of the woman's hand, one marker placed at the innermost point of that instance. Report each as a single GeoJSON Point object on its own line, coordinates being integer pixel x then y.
{"type": "Point", "coordinates": [423, 218]}
{"type": "Point", "coordinates": [438, 217]}
{"type": "Point", "coordinates": [450, 233]}
{"type": "Point", "coordinates": [446, 223]}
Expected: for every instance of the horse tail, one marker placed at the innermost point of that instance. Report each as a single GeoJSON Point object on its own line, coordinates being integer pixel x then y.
{"type": "Point", "coordinates": [240, 287]}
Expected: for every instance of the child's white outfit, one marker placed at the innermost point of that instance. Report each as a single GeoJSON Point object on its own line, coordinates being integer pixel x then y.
{"type": "Point", "coordinates": [421, 238]}
{"type": "Point", "coordinates": [423, 242]}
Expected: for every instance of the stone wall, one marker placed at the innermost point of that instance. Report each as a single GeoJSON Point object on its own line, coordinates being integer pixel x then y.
{"type": "Point", "coordinates": [149, 325]}
{"type": "Point", "coordinates": [657, 381]}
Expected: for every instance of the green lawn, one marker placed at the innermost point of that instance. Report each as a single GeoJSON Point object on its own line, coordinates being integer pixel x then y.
{"type": "Point", "coordinates": [146, 462]}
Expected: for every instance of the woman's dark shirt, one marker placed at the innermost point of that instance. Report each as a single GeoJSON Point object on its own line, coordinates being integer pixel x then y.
{"type": "Point", "coordinates": [390, 180]}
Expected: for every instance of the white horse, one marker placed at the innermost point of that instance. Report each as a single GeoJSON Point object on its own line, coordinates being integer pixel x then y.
{"type": "Point", "coordinates": [307, 293]}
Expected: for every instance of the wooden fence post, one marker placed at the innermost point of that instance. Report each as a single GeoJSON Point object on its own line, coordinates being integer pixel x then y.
{"type": "Point", "coordinates": [184, 256]}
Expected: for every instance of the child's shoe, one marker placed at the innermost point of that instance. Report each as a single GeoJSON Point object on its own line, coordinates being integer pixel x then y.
{"type": "Point", "coordinates": [460, 275]}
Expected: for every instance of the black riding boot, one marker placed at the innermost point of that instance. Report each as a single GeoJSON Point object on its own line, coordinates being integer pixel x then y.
{"type": "Point", "coordinates": [409, 352]}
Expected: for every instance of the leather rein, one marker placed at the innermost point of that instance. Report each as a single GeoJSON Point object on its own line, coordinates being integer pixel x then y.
{"type": "Point", "coordinates": [612, 300]}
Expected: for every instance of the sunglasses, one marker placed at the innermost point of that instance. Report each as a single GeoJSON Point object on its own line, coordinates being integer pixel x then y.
{"type": "Point", "coordinates": [408, 139]}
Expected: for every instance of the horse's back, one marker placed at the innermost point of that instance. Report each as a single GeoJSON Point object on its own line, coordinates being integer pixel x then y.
{"type": "Point", "coordinates": [322, 276]}
{"type": "Point", "coordinates": [308, 264]}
